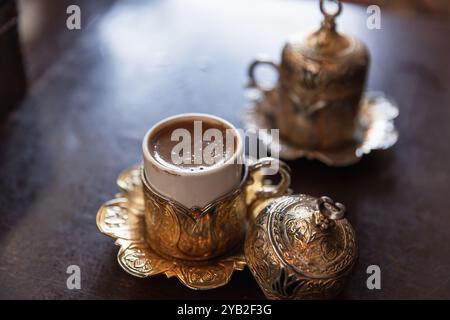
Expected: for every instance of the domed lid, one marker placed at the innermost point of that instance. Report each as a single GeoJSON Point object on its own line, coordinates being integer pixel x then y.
{"type": "Point", "coordinates": [311, 235]}
{"type": "Point", "coordinates": [325, 43]}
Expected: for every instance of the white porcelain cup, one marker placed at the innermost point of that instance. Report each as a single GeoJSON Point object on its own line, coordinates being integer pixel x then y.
{"type": "Point", "coordinates": [195, 188]}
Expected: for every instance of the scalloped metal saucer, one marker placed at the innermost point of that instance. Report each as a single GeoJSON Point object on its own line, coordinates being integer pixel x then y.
{"type": "Point", "coordinates": [122, 218]}
{"type": "Point", "coordinates": [376, 129]}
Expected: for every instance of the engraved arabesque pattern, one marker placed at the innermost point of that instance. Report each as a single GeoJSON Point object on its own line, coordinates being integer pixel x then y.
{"type": "Point", "coordinates": [260, 258]}
{"type": "Point", "coordinates": [195, 234]}
{"type": "Point", "coordinates": [376, 129]}
{"type": "Point", "coordinates": [295, 255]}
{"type": "Point", "coordinates": [119, 219]}
{"type": "Point", "coordinates": [307, 248]}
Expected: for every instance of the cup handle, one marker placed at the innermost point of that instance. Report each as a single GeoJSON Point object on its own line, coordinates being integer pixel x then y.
{"type": "Point", "coordinates": [251, 72]}
{"type": "Point", "coordinates": [260, 189]}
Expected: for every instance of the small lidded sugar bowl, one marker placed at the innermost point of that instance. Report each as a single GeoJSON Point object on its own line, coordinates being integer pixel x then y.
{"type": "Point", "coordinates": [301, 247]}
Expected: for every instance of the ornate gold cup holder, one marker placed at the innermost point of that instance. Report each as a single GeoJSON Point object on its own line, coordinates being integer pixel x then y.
{"type": "Point", "coordinates": [376, 129]}
{"type": "Point", "coordinates": [122, 218]}
{"type": "Point", "coordinates": [296, 246]}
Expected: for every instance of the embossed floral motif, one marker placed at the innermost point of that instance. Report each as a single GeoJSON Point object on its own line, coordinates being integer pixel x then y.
{"type": "Point", "coordinates": [116, 217]}
{"type": "Point", "coordinates": [376, 129]}
{"type": "Point", "coordinates": [138, 261]}
{"type": "Point", "coordinates": [292, 256]}
{"type": "Point", "coordinates": [286, 284]}
{"type": "Point", "coordinates": [120, 219]}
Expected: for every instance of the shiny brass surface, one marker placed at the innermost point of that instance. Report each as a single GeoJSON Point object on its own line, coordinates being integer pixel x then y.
{"type": "Point", "coordinates": [124, 218]}
{"type": "Point", "coordinates": [194, 233]}
{"type": "Point", "coordinates": [321, 82]}
{"type": "Point", "coordinates": [375, 128]}
{"type": "Point", "coordinates": [203, 233]}
{"type": "Point", "coordinates": [130, 184]}
{"type": "Point", "coordinates": [301, 247]}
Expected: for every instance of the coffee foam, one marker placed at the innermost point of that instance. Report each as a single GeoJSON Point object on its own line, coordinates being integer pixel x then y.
{"type": "Point", "coordinates": [190, 145]}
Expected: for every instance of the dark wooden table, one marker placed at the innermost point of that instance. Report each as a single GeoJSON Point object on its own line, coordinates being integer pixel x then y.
{"type": "Point", "coordinates": [83, 121]}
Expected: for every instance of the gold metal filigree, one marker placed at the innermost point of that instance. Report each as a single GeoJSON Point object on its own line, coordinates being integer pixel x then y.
{"type": "Point", "coordinates": [124, 218]}
{"type": "Point", "coordinates": [301, 247]}
{"type": "Point", "coordinates": [321, 81]}
{"type": "Point", "coordinates": [119, 218]}
{"type": "Point", "coordinates": [198, 234]}
{"type": "Point", "coordinates": [195, 233]}
{"type": "Point", "coordinates": [375, 131]}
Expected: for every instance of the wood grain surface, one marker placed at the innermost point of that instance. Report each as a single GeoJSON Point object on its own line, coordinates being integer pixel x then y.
{"type": "Point", "coordinates": [83, 120]}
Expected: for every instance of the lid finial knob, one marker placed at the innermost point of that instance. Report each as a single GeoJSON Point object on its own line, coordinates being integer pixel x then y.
{"type": "Point", "coordinates": [330, 209]}
{"type": "Point", "coordinates": [329, 22]}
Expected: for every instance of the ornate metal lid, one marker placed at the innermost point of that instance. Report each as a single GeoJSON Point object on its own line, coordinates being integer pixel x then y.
{"type": "Point", "coordinates": [301, 246]}
{"type": "Point", "coordinates": [326, 43]}
{"type": "Point", "coordinates": [311, 235]}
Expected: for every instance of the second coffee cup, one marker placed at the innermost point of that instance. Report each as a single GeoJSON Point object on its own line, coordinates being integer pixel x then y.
{"type": "Point", "coordinates": [321, 81]}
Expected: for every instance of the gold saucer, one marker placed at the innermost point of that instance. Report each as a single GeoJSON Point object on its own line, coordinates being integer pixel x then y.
{"type": "Point", "coordinates": [122, 218]}
{"type": "Point", "coordinates": [376, 128]}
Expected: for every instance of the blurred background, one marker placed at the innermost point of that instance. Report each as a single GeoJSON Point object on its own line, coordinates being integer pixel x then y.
{"type": "Point", "coordinates": [43, 39]}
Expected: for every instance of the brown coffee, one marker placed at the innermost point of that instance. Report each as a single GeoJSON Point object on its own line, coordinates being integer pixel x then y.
{"type": "Point", "coordinates": [192, 144]}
